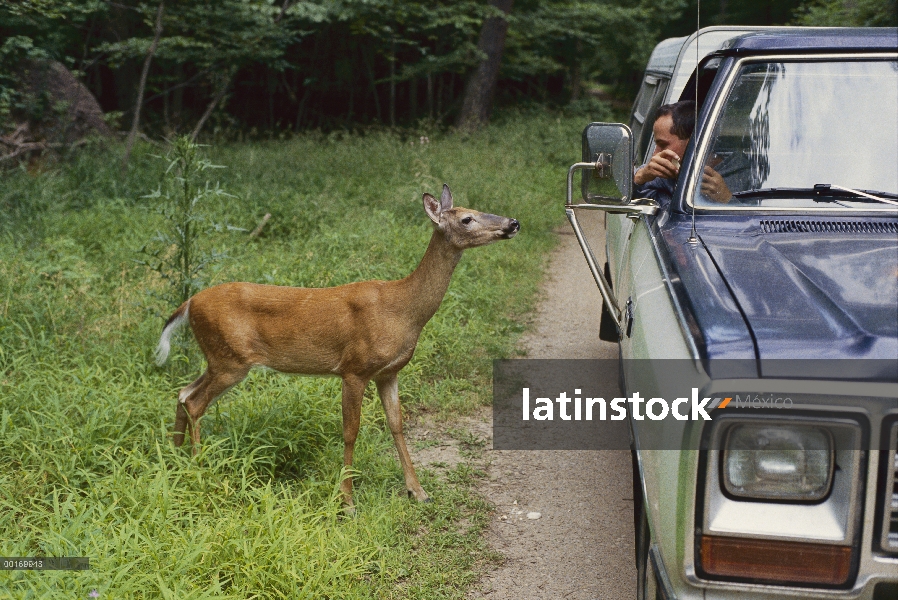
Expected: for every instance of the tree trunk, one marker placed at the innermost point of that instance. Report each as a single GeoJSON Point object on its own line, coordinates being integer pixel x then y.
{"type": "Point", "coordinates": [178, 99]}
{"type": "Point", "coordinates": [135, 124]}
{"type": "Point", "coordinates": [213, 104]}
{"type": "Point", "coordinates": [481, 86]}
{"type": "Point", "coordinates": [577, 72]}
{"type": "Point", "coordinates": [372, 80]}
{"type": "Point", "coordinates": [393, 84]}
{"type": "Point", "coordinates": [430, 96]}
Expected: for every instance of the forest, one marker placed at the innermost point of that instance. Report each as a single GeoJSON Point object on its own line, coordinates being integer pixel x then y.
{"type": "Point", "coordinates": [276, 65]}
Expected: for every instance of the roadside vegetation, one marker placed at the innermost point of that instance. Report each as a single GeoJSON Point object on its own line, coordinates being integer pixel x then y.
{"type": "Point", "coordinates": [87, 467]}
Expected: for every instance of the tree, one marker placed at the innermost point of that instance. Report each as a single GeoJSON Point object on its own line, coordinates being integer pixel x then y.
{"type": "Point", "coordinates": [480, 89]}
{"type": "Point", "coordinates": [214, 40]}
{"type": "Point", "coordinates": [847, 13]}
{"type": "Point", "coordinates": [138, 103]}
{"type": "Point", "coordinates": [270, 64]}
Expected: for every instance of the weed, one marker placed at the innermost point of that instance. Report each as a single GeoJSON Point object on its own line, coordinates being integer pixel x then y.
{"type": "Point", "coordinates": [175, 253]}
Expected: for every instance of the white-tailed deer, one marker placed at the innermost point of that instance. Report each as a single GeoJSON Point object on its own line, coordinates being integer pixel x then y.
{"type": "Point", "coordinates": [358, 331]}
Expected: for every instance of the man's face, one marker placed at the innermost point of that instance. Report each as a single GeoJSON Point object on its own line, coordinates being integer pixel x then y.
{"type": "Point", "coordinates": [665, 140]}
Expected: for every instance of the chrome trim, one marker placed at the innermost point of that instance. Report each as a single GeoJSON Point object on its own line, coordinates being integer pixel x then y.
{"type": "Point", "coordinates": [636, 208]}
{"type": "Point", "coordinates": [665, 588]}
{"type": "Point", "coordinates": [888, 540]}
{"type": "Point", "coordinates": [604, 287]}
{"type": "Point", "coordinates": [715, 115]}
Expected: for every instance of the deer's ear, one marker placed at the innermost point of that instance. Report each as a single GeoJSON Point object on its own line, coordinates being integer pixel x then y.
{"type": "Point", "coordinates": [432, 208]}
{"type": "Point", "coordinates": [446, 198]}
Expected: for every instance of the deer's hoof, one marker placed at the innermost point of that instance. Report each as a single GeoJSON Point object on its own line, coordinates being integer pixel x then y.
{"type": "Point", "coordinates": [413, 496]}
{"type": "Point", "coordinates": [427, 500]}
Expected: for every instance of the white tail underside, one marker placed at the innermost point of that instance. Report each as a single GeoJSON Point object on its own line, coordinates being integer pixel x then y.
{"type": "Point", "coordinates": [164, 346]}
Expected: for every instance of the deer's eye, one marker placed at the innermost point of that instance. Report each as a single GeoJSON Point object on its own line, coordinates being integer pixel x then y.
{"type": "Point", "coordinates": [467, 220]}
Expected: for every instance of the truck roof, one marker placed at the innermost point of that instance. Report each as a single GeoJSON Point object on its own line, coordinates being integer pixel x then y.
{"type": "Point", "coordinates": [698, 45]}
{"type": "Point", "coordinates": [664, 56]}
{"type": "Point", "coordinates": [836, 39]}
{"type": "Point", "coordinates": [677, 57]}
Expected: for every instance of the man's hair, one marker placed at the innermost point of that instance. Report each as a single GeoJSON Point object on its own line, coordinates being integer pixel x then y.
{"type": "Point", "coordinates": [683, 116]}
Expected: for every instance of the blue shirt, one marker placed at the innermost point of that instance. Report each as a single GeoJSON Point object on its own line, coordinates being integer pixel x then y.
{"type": "Point", "coordinates": [658, 189]}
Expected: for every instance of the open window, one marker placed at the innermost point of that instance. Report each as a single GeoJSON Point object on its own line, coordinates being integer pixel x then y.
{"type": "Point", "coordinates": [650, 96]}
{"type": "Point", "coordinates": [707, 72]}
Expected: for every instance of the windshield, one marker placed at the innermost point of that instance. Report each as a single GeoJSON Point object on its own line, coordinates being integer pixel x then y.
{"type": "Point", "coordinates": [789, 126]}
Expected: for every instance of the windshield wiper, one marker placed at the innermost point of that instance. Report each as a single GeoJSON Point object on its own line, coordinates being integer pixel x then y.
{"type": "Point", "coordinates": [824, 191]}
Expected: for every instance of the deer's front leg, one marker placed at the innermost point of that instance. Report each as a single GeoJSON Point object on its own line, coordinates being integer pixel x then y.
{"type": "Point", "coordinates": [353, 392]}
{"type": "Point", "coordinates": [388, 388]}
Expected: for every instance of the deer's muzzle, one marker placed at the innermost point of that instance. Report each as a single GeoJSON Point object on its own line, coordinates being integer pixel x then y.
{"type": "Point", "coordinates": [511, 229]}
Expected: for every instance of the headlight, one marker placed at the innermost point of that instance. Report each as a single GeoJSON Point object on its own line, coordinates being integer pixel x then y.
{"type": "Point", "coordinates": [769, 462]}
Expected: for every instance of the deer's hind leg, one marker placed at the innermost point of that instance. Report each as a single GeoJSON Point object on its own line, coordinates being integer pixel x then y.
{"type": "Point", "coordinates": [196, 398]}
{"type": "Point", "coordinates": [388, 389]}
{"type": "Point", "coordinates": [181, 416]}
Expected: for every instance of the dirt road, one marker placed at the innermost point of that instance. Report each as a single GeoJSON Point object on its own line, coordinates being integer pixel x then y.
{"type": "Point", "coordinates": [581, 545]}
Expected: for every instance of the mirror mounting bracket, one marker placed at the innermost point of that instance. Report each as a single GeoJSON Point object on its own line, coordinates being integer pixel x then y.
{"type": "Point", "coordinates": [634, 210]}
{"type": "Point", "coordinates": [602, 167]}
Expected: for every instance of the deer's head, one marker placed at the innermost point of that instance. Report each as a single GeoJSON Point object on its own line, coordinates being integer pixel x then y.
{"type": "Point", "coordinates": [464, 227]}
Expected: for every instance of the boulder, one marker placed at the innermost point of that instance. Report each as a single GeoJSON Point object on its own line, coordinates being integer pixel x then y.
{"type": "Point", "coordinates": [56, 110]}
{"type": "Point", "coordinates": [64, 110]}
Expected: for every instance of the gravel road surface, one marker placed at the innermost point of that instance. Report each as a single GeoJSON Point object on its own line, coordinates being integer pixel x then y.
{"type": "Point", "coordinates": [580, 546]}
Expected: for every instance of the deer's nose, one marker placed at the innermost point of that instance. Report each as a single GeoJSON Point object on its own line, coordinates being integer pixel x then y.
{"type": "Point", "coordinates": [513, 228]}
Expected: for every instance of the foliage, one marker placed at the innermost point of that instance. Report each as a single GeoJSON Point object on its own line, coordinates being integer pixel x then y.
{"type": "Point", "coordinates": [332, 64]}
{"type": "Point", "coordinates": [842, 13]}
{"type": "Point", "coordinates": [602, 39]}
{"type": "Point", "coordinates": [36, 29]}
{"type": "Point", "coordinates": [86, 462]}
{"type": "Point", "coordinates": [329, 63]}
{"type": "Point", "coordinates": [14, 52]}
{"type": "Point", "coordinates": [209, 35]}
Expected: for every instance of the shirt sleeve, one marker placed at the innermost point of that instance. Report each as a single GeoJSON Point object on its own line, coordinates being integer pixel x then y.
{"type": "Point", "coordinates": [659, 189]}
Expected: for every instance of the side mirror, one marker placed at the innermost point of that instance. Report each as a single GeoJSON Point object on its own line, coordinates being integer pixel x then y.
{"type": "Point", "coordinates": [609, 146]}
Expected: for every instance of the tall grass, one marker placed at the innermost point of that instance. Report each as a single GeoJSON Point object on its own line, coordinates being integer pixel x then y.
{"type": "Point", "coordinates": [86, 462]}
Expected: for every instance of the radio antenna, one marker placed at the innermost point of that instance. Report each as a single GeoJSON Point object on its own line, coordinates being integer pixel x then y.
{"type": "Point", "coordinates": [693, 239]}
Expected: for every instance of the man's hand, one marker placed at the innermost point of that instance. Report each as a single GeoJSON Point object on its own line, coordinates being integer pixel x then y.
{"type": "Point", "coordinates": [714, 187]}
{"type": "Point", "coordinates": [665, 164]}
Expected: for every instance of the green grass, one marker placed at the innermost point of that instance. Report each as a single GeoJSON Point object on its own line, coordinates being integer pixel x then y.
{"type": "Point", "coordinates": [87, 467]}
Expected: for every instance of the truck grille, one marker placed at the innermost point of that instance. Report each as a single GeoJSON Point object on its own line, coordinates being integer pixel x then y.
{"type": "Point", "coordinates": [890, 498]}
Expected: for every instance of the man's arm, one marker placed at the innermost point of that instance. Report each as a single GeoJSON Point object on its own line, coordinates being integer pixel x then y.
{"type": "Point", "coordinates": [665, 164]}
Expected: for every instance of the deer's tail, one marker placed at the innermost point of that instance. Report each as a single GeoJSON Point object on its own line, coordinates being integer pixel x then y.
{"type": "Point", "coordinates": [178, 318]}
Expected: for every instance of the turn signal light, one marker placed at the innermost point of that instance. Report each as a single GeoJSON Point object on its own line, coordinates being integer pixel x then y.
{"type": "Point", "coordinates": [775, 561]}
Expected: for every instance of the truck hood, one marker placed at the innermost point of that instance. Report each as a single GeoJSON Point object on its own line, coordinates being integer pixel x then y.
{"type": "Point", "coordinates": [814, 295]}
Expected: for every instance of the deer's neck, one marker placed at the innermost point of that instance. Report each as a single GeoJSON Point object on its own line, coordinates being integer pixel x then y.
{"type": "Point", "coordinates": [428, 283]}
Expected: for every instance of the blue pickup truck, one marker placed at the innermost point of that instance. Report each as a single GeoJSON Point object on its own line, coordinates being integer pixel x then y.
{"type": "Point", "coordinates": [784, 288]}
